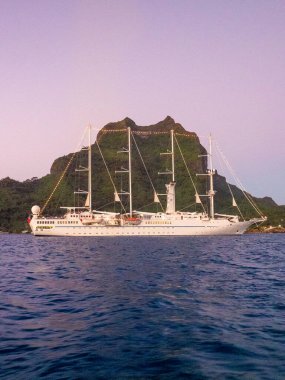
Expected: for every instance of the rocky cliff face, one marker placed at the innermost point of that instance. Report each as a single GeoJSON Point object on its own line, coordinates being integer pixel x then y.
{"type": "Point", "coordinates": [165, 125]}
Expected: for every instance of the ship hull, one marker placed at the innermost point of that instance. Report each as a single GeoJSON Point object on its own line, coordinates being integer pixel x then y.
{"type": "Point", "coordinates": [210, 228]}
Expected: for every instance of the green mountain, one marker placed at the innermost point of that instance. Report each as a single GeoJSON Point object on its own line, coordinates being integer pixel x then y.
{"type": "Point", "coordinates": [16, 198]}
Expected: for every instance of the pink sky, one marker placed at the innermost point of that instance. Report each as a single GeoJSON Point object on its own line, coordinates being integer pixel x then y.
{"type": "Point", "coordinates": [214, 66]}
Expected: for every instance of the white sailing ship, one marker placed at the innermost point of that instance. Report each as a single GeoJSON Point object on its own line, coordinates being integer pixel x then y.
{"type": "Point", "coordinates": [84, 221]}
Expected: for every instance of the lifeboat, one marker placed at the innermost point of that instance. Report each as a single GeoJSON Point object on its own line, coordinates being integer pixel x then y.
{"type": "Point", "coordinates": [132, 220]}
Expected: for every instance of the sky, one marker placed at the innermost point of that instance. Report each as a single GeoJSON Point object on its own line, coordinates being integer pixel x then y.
{"type": "Point", "coordinates": [215, 66]}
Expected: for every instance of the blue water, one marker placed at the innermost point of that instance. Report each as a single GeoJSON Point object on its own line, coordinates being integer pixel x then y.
{"type": "Point", "coordinates": [142, 308]}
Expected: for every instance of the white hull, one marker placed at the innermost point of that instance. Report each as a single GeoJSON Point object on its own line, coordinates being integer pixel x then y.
{"type": "Point", "coordinates": [209, 227]}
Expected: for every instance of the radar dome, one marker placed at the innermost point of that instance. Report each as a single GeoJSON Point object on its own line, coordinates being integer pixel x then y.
{"type": "Point", "coordinates": [36, 210]}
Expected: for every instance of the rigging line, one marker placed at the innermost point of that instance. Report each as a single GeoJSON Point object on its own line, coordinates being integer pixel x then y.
{"type": "Point", "coordinates": [153, 188]}
{"type": "Point", "coordinates": [235, 202]}
{"type": "Point", "coordinates": [188, 206]}
{"type": "Point", "coordinates": [107, 204]}
{"type": "Point", "coordinates": [139, 209]}
{"type": "Point", "coordinates": [64, 172]}
{"type": "Point", "coordinates": [229, 187]}
{"type": "Point", "coordinates": [195, 188]}
{"type": "Point", "coordinates": [78, 179]}
{"type": "Point", "coordinates": [60, 198]}
{"type": "Point", "coordinates": [250, 200]}
{"type": "Point", "coordinates": [114, 187]}
{"type": "Point", "coordinates": [247, 196]}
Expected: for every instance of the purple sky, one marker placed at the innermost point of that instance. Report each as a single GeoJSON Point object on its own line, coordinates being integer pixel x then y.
{"type": "Point", "coordinates": [215, 66]}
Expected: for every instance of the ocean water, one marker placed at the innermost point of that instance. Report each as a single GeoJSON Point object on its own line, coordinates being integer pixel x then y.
{"type": "Point", "coordinates": [142, 308]}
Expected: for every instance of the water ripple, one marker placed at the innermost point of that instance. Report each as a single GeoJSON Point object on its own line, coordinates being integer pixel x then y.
{"type": "Point", "coordinates": [142, 308]}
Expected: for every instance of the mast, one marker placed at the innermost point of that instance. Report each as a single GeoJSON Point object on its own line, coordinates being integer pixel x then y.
{"type": "Point", "coordinates": [210, 173]}
{"type": "Point", "coordinates": [172, 155]}
{"type": "Point", "coordinates": [130, 171]}
{"type": "Point", "coordinates": [89, 170]}
{"type": "Point", "coordinates": [170, 187]}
